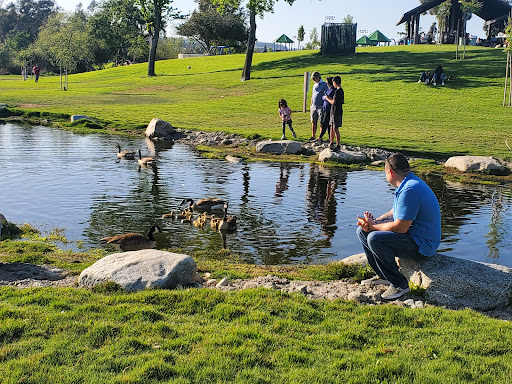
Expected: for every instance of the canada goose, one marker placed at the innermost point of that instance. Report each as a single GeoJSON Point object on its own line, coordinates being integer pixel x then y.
{"type": "Point", "coordinates": [133, 241]}
{"type": "Point", "coordinates": [228, 223]}
{"type": "Point", "coordinates": [145, 161]}
{"type": "Point", "coordinates": [129, 155]}
{"type": "Point", "coordinates": [205, 205]}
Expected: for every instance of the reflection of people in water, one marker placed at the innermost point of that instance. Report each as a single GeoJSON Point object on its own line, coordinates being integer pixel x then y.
{"type": "Point", "coordinates": [282, 184]}
{"type": "Point", "coordinates": [321, 197]}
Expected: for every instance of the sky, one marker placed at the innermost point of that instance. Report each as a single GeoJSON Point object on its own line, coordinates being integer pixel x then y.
{"type": "Point", "coordinates": [368, 14]}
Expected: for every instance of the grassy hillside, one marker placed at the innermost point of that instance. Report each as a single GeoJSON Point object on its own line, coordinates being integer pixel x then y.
{"type": "Point", "coordinates": [385, 106]}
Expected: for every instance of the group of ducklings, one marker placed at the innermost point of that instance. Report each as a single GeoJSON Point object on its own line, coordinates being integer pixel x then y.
{"type": "Point", "coordinates": [205, 206]}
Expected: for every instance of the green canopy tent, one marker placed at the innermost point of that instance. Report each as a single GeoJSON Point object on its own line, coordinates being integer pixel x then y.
{"type": "Point", "coordinates": [378, 37]}
{"type": "Point", "coordinates": [283, 39]}
{"type": "Point", "coordinates": [365, 40]}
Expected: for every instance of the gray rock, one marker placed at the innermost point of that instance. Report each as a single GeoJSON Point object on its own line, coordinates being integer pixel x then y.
{"type": "Point", "coordinates": [223, 282]}
{"type": "Point", "coordinates": [79, 117]}
{"type": "Point", "coordinates": [279, 147]}
{"type": "Point", "coordinates": [158, 128]}
{"type": "Point", "coordinates": [459, 283]}
{"type": "Point", "coordinates": [138, 270]}
{"type": "Point", "coordinates": [356, 296]}
{"type": "Point", "coordinates": [342, 156]}
{"type": "Point", "coordinates": [357, 259]}
{"type": "Point", "coordinates": [234, 159]}
{"type": "Point", "coordinates": [475, 163]}
{"type": "Point", "coordinates": [409, 302]}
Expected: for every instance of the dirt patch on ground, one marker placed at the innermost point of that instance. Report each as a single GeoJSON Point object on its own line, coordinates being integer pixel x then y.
{"type": "Point", "coordinates": [28, 105]}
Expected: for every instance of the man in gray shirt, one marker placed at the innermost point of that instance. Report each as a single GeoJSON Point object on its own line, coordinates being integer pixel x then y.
{"type": "Point", "coordinates": [319, 90]}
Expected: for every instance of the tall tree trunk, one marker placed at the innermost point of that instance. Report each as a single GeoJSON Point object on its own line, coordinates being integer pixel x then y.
{"type": "Point", "coordinates": [246, 74]}
{"type": "Point", "coordinates": [154, 39]}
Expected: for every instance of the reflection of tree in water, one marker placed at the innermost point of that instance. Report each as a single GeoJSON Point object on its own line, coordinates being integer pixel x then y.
{"type": "Point", "coordinates": [321, 199]}
{"type": "Point", "coordinates": [497, 228]}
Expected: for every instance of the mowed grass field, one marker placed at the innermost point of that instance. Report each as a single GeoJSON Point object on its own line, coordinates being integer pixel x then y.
{"type": "Point", "coordinates": [385, 106]}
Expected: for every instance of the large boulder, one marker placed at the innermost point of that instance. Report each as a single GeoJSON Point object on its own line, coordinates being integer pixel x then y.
{"type": "Point", "coordinates": [475, 163]}
{"type": "Point", "coordinates": [159, 129]}
{"type": "Point", "coordinates": [456, 283]}
{"type": "Point", "coordinates": [459, 283]}
{"type": "Point", "coordinates": [137, 270]}
{"type": "Point", "coordinates": [342, 156]}
{"type": "Point", "coordinates": [279, 147]}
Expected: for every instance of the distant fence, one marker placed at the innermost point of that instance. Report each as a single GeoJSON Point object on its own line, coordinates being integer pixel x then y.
{"type": "Point", "coordinates": [338, 39]}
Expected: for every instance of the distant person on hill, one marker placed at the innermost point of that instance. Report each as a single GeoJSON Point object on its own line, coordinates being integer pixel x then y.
{"type": "Point", "coordinates": [286, 116]}
{"type": "Point", "coordinates": [335, 122]}
{"type": "Point", "coordinates": [319, 90]}
{"type": "Point", "coordinates": [326, 110]}
{"type": "Point", "coordinates": [36, 70]}
{"type": "Point", "coordinates": [439, 75]}
{"type": "Point", "coordinates": [425, 77]}
{"type": "Point", "coordinates": [24, 73]}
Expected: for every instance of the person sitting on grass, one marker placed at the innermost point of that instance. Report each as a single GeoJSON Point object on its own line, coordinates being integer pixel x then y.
{"type": "Point", "coordinates": [439, 75]}
{"type": "Point", "coordinates": [410, 230]}
{"type": "Point", "coordinates": [425, 77]}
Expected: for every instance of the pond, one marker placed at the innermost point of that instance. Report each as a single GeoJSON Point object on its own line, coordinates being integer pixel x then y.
{"type": "Point", "coordinates": [288, 213]}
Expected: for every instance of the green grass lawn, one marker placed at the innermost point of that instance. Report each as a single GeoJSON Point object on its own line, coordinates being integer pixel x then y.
{"type": "Point", "coordinates": [385, 106]}
{"type": "Point", "coordinates": [255, 336]}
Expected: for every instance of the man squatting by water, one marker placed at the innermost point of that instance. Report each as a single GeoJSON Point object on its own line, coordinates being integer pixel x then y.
{"type": "Point", "coordinates": [410, 230]}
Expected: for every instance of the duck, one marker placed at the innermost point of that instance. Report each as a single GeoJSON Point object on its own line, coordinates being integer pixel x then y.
{"type": "Point", "coordinates": [133, 241]}
{"type": "Point", "coordinates": [129, 155]}
{"type": "Point", "coordinates": [206, 205]}
{"type": "Point", "coordinates": [145, 161]}
{"type": "Point", "coordinates": [228, 223]}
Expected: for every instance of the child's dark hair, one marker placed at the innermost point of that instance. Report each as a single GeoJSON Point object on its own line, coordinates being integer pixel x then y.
{"type": "Point", "coordinates": [329, 81]}
{"type": "Point", "coordinates": [282, 103]}
{"type": "Point", "coordinates": [337, 79]}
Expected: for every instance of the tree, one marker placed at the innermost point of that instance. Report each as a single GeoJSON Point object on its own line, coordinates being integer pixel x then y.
{"type": "Point", "coordinates": [65, 41]}
{"type": "Point", "coordinates": [256, 8]}
{"type": "Point", "coordinates": [118, 29]}
{"type": "Point", "coordinates": [155, 13]}
{"type": "Point", "coordinates": [348, 19]}
{"type": "Point", "coordinates": [209, 27]}
{"type": "Point", "coordinates": [314, 43]}
{"type": "Point", "coordinates": [300, 34]}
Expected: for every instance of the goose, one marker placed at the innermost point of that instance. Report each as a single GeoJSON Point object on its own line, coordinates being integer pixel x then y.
{"type": "Point", "coordinates": [206, 205]}
{"type": "Point", "coordinates": [145, 161]}
{"type": "Point", "coordinates": [133, 241]}
{"type": "Point", "coordinates": [129, 155]}
{"type": "Point", "coordinates": [228, 223]}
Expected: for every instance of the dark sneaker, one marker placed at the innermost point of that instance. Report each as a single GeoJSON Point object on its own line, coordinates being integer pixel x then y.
{"type": "Point", "coordinates": [393, 293]}
{"type": "Point", "coordinates": [375, 280]}
{"type": "Point", "coordinates": [312, 138]}
{"type": "Point", "coordinates": [336, 148]}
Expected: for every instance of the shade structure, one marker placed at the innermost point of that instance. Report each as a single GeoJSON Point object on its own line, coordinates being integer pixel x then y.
{"type": "Point", "coordinates": [283, 39]}
{"type": "Point", "coordinates": [378, 37]}
{"type": "Point", "coordinates": [365, 40]}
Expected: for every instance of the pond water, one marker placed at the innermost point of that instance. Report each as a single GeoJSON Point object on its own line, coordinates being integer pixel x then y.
{"type": "Point", "coordinates": [287, 212]}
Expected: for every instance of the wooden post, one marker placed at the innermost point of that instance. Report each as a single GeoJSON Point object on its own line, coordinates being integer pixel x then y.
{"type": "Point", "coordinates": [506, 78]}
{"type": "Point", "coordinates": [510, 79]}
{"type": "Point", "coordinates": [306, 88]}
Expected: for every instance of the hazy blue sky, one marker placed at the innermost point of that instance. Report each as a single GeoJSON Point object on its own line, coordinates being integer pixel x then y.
{"type": "Point", "coordinates": [368, 14]}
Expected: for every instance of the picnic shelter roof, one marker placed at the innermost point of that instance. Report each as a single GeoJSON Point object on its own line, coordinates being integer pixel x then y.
{"type": "Point", "coordinates": [379, 37]}
{"type": "Point", "coordinates": [283, 39]}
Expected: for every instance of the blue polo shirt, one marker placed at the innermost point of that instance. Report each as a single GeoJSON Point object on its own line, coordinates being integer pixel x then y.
{"type": "Point", "coordinates": [414, 200]}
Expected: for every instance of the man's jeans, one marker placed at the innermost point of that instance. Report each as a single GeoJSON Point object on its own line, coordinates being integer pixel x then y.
{"type": "Point", "coordinates": [381, 248]}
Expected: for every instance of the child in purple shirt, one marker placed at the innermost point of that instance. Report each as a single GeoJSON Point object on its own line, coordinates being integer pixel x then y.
{"type": "Point", "coordinates": [286, 116]}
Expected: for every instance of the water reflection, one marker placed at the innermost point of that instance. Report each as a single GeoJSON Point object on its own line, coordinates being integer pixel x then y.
{"type": "Point", "coordinates": [287, 213]}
